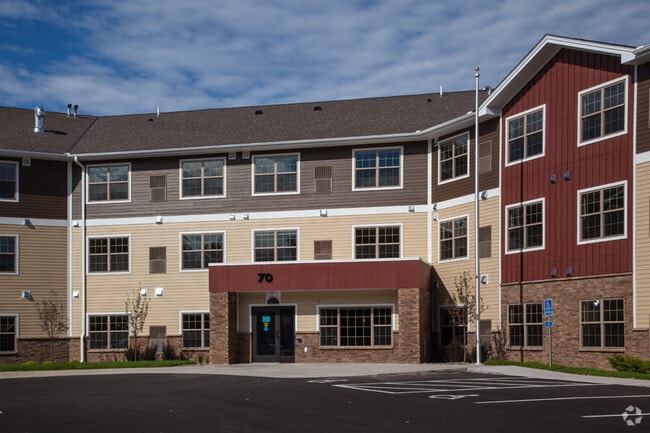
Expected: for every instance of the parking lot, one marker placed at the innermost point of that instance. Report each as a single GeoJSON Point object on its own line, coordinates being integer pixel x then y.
{"type": "Point", "coordinates": [439, 402]}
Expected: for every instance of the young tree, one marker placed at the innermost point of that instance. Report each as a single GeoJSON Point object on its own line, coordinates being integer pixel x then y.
{"type": "Point", "coordinates": [464, 311]}
{"type": "Point", "coordinates": [52, 318]}
{"type": "Point", "coordinates": [137, 308]}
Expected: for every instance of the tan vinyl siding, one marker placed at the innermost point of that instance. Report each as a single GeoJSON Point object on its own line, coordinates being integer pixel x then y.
{"type": "Point", "coordinates": [42, 267]}
{"type": "Point", "coordinates": [447, 271]}
{"type": "Point", "coordinates": [642, 233]}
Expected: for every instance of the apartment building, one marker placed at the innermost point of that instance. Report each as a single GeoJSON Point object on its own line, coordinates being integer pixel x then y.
{"type": "Point", "coordinates": [336, 231]}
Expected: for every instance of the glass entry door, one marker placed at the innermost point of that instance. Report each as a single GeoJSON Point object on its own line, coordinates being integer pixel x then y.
{"type": "Point", "coordinates": [273, 334]}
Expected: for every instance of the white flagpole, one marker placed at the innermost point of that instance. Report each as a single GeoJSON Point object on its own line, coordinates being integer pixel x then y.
{"type": "Point", "coordinates": [477, 268]}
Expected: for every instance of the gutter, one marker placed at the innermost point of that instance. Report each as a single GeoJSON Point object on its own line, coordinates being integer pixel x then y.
{"type": "Point", "coordinates": [84, 321]}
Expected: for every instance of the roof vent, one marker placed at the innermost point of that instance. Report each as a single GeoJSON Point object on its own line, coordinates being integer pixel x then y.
{"type": "Point", "coordinates": [39, 114]}
{"type": "Point", "coordinates": [318, 108]}
{"type": "Point", "coordinates": [69, 109]}
{"type": "Point", "coordinates": [259, 112]}
{"type": "Point", "coordinates": [75, 108]}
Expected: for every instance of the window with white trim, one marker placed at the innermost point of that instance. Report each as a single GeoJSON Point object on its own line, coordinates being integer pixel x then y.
{"type": "Point", "coordinates": [602, 111]}
{"type": "Point", "coordinates": [525, 325]}
{"type": "Point", "coordinates": [377, 168]}
{"type": "Point", "coordinates": [275, 174]}
{"type": "Point", "coordinates": [109, 254]}
{"type": "Point", "coordinates": [525, 135]}
{"type": "Point", "coordinates": [602, 323]}
{"type": "Point", "coordinates": [355, 326]}
{"type": "Point", "coordinates": [453, 239]}
{"type": "Point", "coordinates": [8, 181]}
{"type": "Point", "coordinates": [525, 226]}
{"type": "Point", "coordinates": [602, 213]}
{"type": "Point", "coordinates": [110, 331]}
{"type": "Point", "coordinates": [381, 242]}
{"type": "Point", "coordinates": [8, 254]}
{"type": "Point", "coordinates": [108, 182]}
{"type": "Point", "coordinates": [196, 330]}
{"type": "Point", "coordinates": [201, 249]}
{"type": "Point", "coordinates": [203, 178]}
{"type": "Point", "coordinates": [276, 245]}
{"type": "Point", "coordinates": [8, 332]}
{"type": "Point", "coordinates": [453, 155]}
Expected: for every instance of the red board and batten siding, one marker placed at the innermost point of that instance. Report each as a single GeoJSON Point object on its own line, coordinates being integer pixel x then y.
{"type": "Point", "coordinates": [557, 86]}
{"type": "Point", "coordinates": [384, 274]}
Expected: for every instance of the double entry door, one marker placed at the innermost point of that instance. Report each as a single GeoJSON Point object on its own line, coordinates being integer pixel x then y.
{"type": "Point", "coordinates": [273, 333]}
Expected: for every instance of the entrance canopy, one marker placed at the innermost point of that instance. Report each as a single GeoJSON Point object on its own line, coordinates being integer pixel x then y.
{"type": "Point", "coordinates": [330, 275]}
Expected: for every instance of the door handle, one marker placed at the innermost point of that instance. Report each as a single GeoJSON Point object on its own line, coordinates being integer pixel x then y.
{"type": "Point", "coordinates": [277, 334]}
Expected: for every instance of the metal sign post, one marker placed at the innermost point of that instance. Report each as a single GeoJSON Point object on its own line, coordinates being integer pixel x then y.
{"type": "Point", "coordinates": [548, 312]}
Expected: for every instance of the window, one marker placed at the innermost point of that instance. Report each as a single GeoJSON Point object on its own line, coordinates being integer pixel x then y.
{"type": "Point", "coordinates": [201, 249]}
{"type": "Point", "coordinates": [602, 323]}
{"type": "Point", "coordinates": [380, 168]}
{"type": "Point", "coordinates": [602, 213]}
{"type": "Point", "coordinates": [108, 331]}
{"type": "Point", "coordinates": [108, 254]}
{"type": "Point", "coordinates": [525, 135]}
{"type": "Point", "coordinates": [525, 325]}
{"type": "Point", "coordinates": [377, 242]}
{"type": "Point", "coordinates": [450, 329]}
{"type": "Point", "coordinates": [355, 326]}
{"type": "Point", "coordinates": [8, 254]}
{"type": "Point", "coordinates": [453, 155]}
{"type": "Point", "coordinates": [525, 226]}
{"type": "Point", "coordinates": [453, 239]}
{"type": "Point", "coordinates": [196, 330]}
{"type": "Point", "coordinates": [203, 178]}
{"type": "Point", "coordinates": [108, 183]}
{"type": "Point", "coordinates": [276, 245]}
{"type": "Point", "coordinates": [8, 332]}
{"type": "Point", "coordinates": [485, 241]}
{"type": "Point", "coordinates": [8, 181]}
{"type": "Point", "coordinates": [602, 111]}
{"type": "Point", "coordinates": [276, 174]}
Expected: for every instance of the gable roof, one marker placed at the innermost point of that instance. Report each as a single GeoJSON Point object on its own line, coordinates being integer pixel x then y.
{"type": "Point", "coordinates": [538, 57]}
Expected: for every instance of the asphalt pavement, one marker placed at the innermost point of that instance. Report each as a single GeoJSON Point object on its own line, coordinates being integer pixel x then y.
{"type": "Point", "coordinates": [334, 370]}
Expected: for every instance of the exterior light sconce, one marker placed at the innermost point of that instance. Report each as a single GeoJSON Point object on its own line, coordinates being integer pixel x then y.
{"type": "Point", "coordinates": [435, 217]}
{"type": "Point", "coordinates": [435, 206]}
{"type": "Point", "coordinates": [75, 294]}
{"type": "Point", "coordinates": [553, 272]}
{"type": "Point", "coordinates": [484, 279]}
{"type": "Point", "coordinates": [28, 222]}
{"type": "Point", "coordinates": [245, 154]}
{"type": "Point", "coordinates": [143, 292]}
{"type": "Point", "coordinates": [75, 223]}
{"type": "Point", "coordinates": [569, 271]}
{"type": "Point", "coordinates": [232, 217]}
{"type": "Point", "coordinates": [323, 212]}
{"type": "Point", "coordinates": [567, 175]}
{"type": "Point", "coordinates": [27, 294]}
{"type": "Point", "coordinates": [159, 220]}
{"type": "Point", "coordinates": [553, 178]}
{"type": "Point", "coordinates": [246, 216]}
{"type": "Point", "coordinates": [159, 291]}
{"type": "Point", "coordinates": [411, 208]}
{"type": "Point", "coordinates": [484, 195]}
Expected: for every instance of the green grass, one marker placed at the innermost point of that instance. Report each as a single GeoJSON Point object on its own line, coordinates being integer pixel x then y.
{"type": "Point", "coordinates": [76, 365]}
{"type": "Point", "coordinates": [574, 370]}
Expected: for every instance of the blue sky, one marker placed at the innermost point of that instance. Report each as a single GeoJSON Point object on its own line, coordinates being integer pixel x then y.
{"type": "Point", "coordinates": [125, 57]}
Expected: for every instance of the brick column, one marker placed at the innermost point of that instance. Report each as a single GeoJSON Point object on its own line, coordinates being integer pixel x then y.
{"type": "Point", "coordinates": [223, 327]}
{"type": "Point", "coordinates": [414, 316]}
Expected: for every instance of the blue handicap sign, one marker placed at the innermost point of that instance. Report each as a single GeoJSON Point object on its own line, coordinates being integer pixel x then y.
{"type": "Point", "coordinates": [548, 324]}
{"type": "Point", "coordinates": [548, 307]}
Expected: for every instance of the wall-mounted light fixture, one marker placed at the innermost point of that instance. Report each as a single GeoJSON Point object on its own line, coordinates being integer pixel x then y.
{"type": "Point", "coordinates": [484, 195]}
{"type": "Point", "coordinates": [26, 294]}
{"type": "Point", "coordinates": [75, 294]}
{"type": "Point", "coordinates": [553, 272]}
{"type": "Point", "coordinates": [567, 175]}
{"type": "Point", "coordinates": [232, 217]}
{"type": "Point", "coordinates": [323, 212]}
{"type": "Point", "coordinates": [484, 279]}
{"type": "Point", "coordinates": [411, 208]}
{"type": "Point", "coordinates": [569, 271]}
{"type": "Point", "coordinates": [159, 291]}
{"type": "Point", "coordinates": [553, 178]}
{"type": "Point", "coordinates": [143, 292]}
{"type": "Point", "coordinates": [246, 216]}
{"type": "Point", "coordinates": [28, 222]}
{"type": "Point", "coordinates": [159, 220]}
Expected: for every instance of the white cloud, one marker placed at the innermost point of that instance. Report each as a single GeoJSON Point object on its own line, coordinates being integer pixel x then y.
{"type": "Point", "coordinates": [131, 56]}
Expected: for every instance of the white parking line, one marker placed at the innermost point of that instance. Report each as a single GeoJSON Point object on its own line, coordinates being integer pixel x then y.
{"type": "Point", "coordinates": [528, 400]}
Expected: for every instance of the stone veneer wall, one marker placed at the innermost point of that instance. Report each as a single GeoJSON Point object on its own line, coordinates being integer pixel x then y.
{"type": "Point", "coordinates": [567, 295]}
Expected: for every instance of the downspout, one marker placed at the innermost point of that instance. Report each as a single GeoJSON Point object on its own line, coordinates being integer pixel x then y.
{"type": "Point", "coordinates": [69, 273]}
{"type": "Point", "coordinates": [84, 321]}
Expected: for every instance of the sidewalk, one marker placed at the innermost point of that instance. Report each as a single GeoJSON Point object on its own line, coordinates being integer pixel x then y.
{"type": "Point", "coordinates": [330, 370]}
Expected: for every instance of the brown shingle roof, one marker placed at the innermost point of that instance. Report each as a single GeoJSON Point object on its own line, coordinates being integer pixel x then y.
{"type": "Point", "coordinates": [232, 126]}
{"type": "Point", "coordinates": [61, 133]}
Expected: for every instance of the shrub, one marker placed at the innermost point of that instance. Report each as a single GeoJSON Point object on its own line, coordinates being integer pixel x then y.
{"type": "Point", "coordinates": [169, 352]}
{"type": "Point", "coordinates": [629, 363]}
{"type": "Point", "coordinates": [136, 354]}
